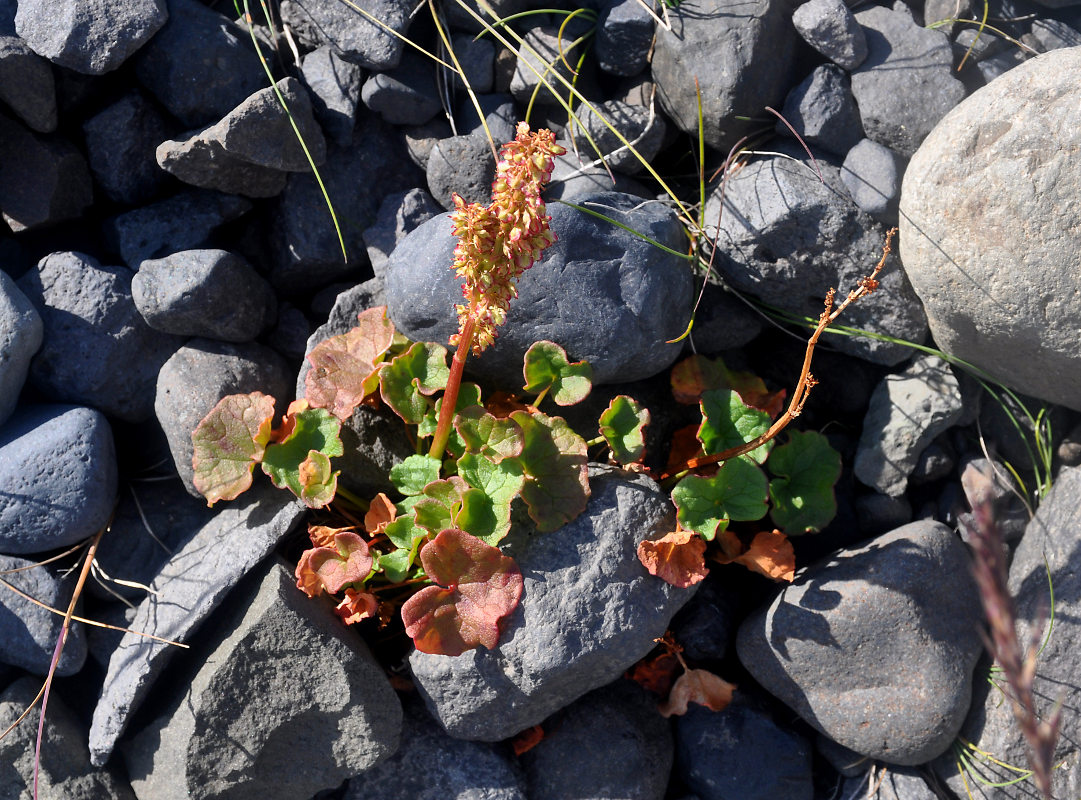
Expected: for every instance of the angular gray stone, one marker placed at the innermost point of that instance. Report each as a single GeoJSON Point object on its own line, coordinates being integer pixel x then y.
{"type": "Point", "coordinates": [908, 410]}
{"type": "Point", "coordinates": [741, 56]}
{"type": "Point", "coordinates": [200, 65]}
{"type": "Point", "coordinates": [21, 334]}
{"type": "Point", "coordinates": [624, 37]}
{"type": "Point", "coordinates": [429, 765]}
{"type": "Point", "coordinates": [1009, 511]}
{"type": "Point", "coordinates": [991, 275]}
{"type": "Point", "coordinates": [209, 293]}
{"type": "Point", "coordinates": [120, 141]}
{"type": "Point", "coordinates": [830, 28]}
{"type": "Point", "coordinates": [611, 743]}
{"type": "Point", "coordinates": [181, 222]}
{"type": "Point", "coordinates": [65, 771]}
{"type": "Point", "coordinates": [249, 151]}
{"type": "Point", "coordinates": [463, 165]}
{"type": "Point", "coordinates": [875, 646]}
{"type": "Point", "coordinates": [29, 632]}
{"type": "Point", "coordinates": [588, 612]}
{"type": "Point", "coordinates": [741, 752]}
{"type": "Point", "coordinates": [88, 36]}
{"type": "Point", "coordinates": [906, 83]}
{"type": "Point", "coordinates": [604, 294]}
{"type": "Point", "coordinates": [201, 373]}
{"type": "Point", "coordinates": [477, 57]}
{"type": "Point", "coordinates": [334, 84]}
{"type": "Point", "coordinates": [58, 477]}
{"type": "Point", "coordinates": [27, 85]}
{"type": "Point", "coordinates": [642, 127]}
{"type": "Point", "coordinates": [872, 174]}
{"type": "Point", "coordinates": [822, 111]}
{"type": "Point", "coordinates": [787, 237]}
{"type": "Point", "coordinates": [1052, 34]}
{"type": "Point", "coordinates": [540, 55]}
{"type": "Point", "coordinates": [353, 35]}
{"type": "Point", "coordinates": [193, 583]}
{"type": "Point", "coordinates": [97, 350]}
{"type": "Point", "coordinates": [317, 709]}
{"type": "Point", "coordinates": [399, 214]}
{"type": "Point", "coordinates": [405, 95]}
{"type": "Point", "coordinates": [43, 179]}
{"type": "Point", "coordinates": [1052, 535]}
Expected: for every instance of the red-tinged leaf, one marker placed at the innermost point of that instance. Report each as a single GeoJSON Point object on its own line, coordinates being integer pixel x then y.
{"type": "Point", "coordinates": [344, 366]}
{"type": "Point", "coordinates": [380, 513]}
{"type": "Point", "coordinates": [694, 375]}
{"type": "Point", "coordinates": [323, 535]}
{"type": "Point", "coordinates": [290, 463]}
{"type": "Point", "coordinates": [477, 587]}
{"type": "Point", "coordinates": [526, 740]}
{"type": "Point", "coordinates": [332, 568]}
{"type": "Point", "coordinates": [554, 461]}
{"type": "Point", "coordinates": [656, 674]}
{"type": "Point", "coordinates": [318, 482]}
{"type": "Point", "coordinates": [483, 432]}
{"type": "Point", "coordinates": [357, 606]}
{"type": "Point", "coordinates": [771, 554]}
{"type": "Point", "coordinates": [623, 426]}
{"type": "Point", "coordinates": [547, 368]}
{"type": "Point", "coordinates": [684, 447]}
{"type": "Point", "coordinates": [697, 686]}
{"type": "Point", "coordinates": [677, 558]}
{"type": "Point", "coordinates": [289, 421]}
{"type": "Point", "coordinates": [731, 547]}
{"type": "Point", "coordinates": [228, 443]}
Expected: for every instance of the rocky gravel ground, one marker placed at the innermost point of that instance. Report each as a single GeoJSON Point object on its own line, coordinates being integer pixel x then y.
{"type": "Point", "coordinates": [164, 243]}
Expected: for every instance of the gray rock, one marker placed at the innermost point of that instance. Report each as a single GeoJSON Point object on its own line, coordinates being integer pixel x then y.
{"type": "Point", "coordinates": [420, 139]}
{"type": "Point", "coordinates": [1049, 543]}
{"type": "Point", "coordinates": [249, 151]}
{"type": "Point", "coordinates": [875, 647]}
{"type": "Point", "coordinates": [181, 222]}
{"type": "Point", "coordinates": [307, 252]}
{"type": "Point", "coordinates": [787, 237]}
{"type": "Point", "coordinates": [830, 28]}
{"type": "Point", "coordinates": [705, 626]}
{"type": "Point", "coordinates": [872, 174]}
{"type": "Point", "coordinates": [462, 165]}
{"type": "Point", "coordinates": [1052, 34]}
{"type": "Point", "coordinates": [334, 84]}
{"type": "Point", "coordinates": [1009, 511]}
{"type": "Point", "coordinates": [477, 57]}
{"type": "Point", "coordinates": [201, 65]}
{"type": "Point", "coordinates": [935, 462]}
{"type": "Point", "coordinates": [210, 293]}
{"type": "Point", "coordinates": [30, 632]}
{"type": "Point", "coordinates": [399, 214]}
{"type": "Point", "coordinates": [605, 295]}
{"type": "Point", "coordinates": [405, 95]}
{"type": "Point", "coordinates": [722, 322]}
{"type": "Point", "coordinates": [153, 519]}
{"type": "Point", "coordinates": [908, 410]}
{"type": "Point", "coordinates": [8, 9]}
{"type": "Point", "coordinates": [822, 111]}
{"type": "Point", "coordinates": [1069, 450]}
{"type": "Point", "coordinates": [1003, 302]}
{"type": "Point", "coordinates": [906, 83]}
{"type": "Point", "coordinates": [540, 55]}
{"type": "Point", "coordinates": [1000, 63]}
{"type": "Point", "coordinates": [624, 37]}
{"type": "Point", "coordinates": [879, 513]}
{"type": "Point", "coordinates": [88, 36]}
{"type": "Point", "coordinates": [500, 114]}
{"type": "Point", "coordinates": [193, 583]}
{"type": "Point", "coordinates": [611, 743]}
{"type": "Point", "coordinates": [310, 716]}
{"type": "Point", "coordinates": [742, 753]}
{"type": "Point", "coordinates": [589, 610]}
{"type": "Point", "coordinates": [352, 35]}
{"type": "Point", "coordinates": [575, 180]}
{"type": "Point", "coordinates": [43, 180]}
{"type": "Point", "coordinates": [96, 350]}
{"type": "Point", "coordinates": [893, 783]}
{"type": "Point", "coordinates": [641, 126]}
{"type": "Point", "coordinates": [120, 141]}
{"type": "Point", "coordinates": [468, 14]}
{"type": "Point", "coordinates": [202, 372]}
{"type": "Point", "coordinates": [290, 332]}
{"type": "Point", "coordinates": [429, 765]}
{"type": "Point", "coordinates": [21, 334]}
{"type": "Point", "coordinates": [65, 771]}
{"type": "Point", "coordinates": [58, 477]}
{"type": "Point", "coordinates": [27, 85]}
{"type": "Point", "coordinates": [742, 57]}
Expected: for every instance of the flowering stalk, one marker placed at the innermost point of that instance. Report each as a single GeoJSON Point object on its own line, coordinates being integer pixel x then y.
{"type": "Point", "coordinates": [496, 244]}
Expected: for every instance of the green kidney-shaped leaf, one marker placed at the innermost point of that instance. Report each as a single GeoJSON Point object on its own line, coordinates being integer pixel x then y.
{"type": "Point", "coordinates": [728, 422]}
{"type": "Point", "coordinates": [344, 367]}
{"type": "Point", "coordinates": [395, 564]}
{"type": "Point", "coordinates": [468, 395]}
{"type": "Point", "coordinates": [623, 425]}
{"type": "Point", "coordinates": [228, 442]}
{"type": "Point", "coordinates": [439, 504]}
{"type": "Point", "coordinates": [477, 588]}
{"type": "Point", "coordinates": [407, 380]}
{"type": "Point", "coordinates": [411, 475]}
{"type": "Point", "coordinates": [706, 505]}
{"type": "Point", "coordinates": [290, 463]}
{"type": "Point", "coordinates": [487, 434]}
{"type": "Point", "coordinates": [802, 493]}
{"type": "Point", "coordinates": [548, 369]}
{"type": "Point", "coordinates": [554, 461]}
{"type": "Point", "coordinates": [486, 508]}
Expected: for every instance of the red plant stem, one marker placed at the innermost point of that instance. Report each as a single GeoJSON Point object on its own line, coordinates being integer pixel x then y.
{"type": "Point", "coordinates": [454, 383]}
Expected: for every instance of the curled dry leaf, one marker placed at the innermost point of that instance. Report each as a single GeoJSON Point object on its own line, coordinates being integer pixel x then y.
{"type": "Point", "coordinates": [697, 686]}
{"type": "Point", "coordinates": [526, 740]}
{"type": "Point", "coordinates": [770, 554]}
{"type": "Point", "coordinates": [677, 558]}
{"type": "Point", "coordinates": [332, 568]}
{"type": "Point", "coordinates": [356, 606]}
{"type": "Point", "coordinates": [381, 512]}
